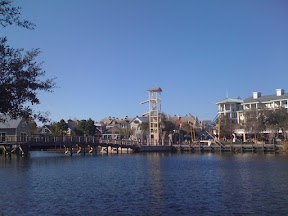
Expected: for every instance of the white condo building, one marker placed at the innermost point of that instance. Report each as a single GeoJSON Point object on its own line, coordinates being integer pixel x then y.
{"type": "Point", "coordinates": [235, 108]}
{"type": "Point", "coordinates": [232, 108]}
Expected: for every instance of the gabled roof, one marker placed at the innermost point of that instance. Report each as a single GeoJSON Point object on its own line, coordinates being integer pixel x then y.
{"type": "Point", "coordinates": [106, 120]}
{"type": "Point", "coordinates": [142, 119]}
{"type": "Point", "coordinates": [124, 121]}
{"type": "Point", "coordinates": [230, 100]}
{"type": "Point", "coordinates": [114, 129]}
{"type": "Point", "coordinates": [8, 122]}
{"type": "Point", "coordinates": [44, 127]}
{"type": "Point", "coordinates": [266, 98]}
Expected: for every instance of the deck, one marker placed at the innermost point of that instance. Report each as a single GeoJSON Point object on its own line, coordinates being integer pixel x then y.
{"type": "Point", "coordinates": [92, 145]}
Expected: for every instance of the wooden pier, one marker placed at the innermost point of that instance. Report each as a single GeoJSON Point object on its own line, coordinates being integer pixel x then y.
{"type": "Point", "coordinates": [90, 145]}
{"type": "Point", "coordinates": [232, 147]}
{"type": "Point", "coordinates": [68, 144]}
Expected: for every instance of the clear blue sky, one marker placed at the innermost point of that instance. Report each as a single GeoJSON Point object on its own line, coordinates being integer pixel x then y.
{"type": "Point", "coordinates": [106, 54]}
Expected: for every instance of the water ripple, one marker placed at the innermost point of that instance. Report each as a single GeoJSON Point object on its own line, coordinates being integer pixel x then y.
{"type": "Point", "coordinates": [144, 184]}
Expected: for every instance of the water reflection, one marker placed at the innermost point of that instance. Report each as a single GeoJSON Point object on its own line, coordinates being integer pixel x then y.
{"type": "Point", "coordinates": [156, 182]}
{"type": "Point", "coordinates": [48, 183]}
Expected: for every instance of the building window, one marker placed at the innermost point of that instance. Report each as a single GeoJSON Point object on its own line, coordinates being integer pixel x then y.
{"type": "Point", "coordinates": [2, 137]}
{"type": "Point", "coordinates": [268, 105]}
{"type": "Point", "coordinates": [277, 104]}
{"type": "Point", "coordinates": [23, 137]}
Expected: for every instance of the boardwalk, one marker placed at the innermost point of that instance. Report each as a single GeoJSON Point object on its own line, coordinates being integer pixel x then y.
{"type": "Point", "coordinates": [68, 144]}
{"type": "Point", "coordinates": [92, 145]}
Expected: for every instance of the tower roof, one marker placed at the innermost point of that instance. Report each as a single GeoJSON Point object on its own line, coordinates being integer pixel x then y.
{"type": "Point", "coordinates": [155, 89]}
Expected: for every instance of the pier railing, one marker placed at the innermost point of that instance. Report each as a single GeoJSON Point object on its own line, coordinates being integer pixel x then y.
{"type": "Point", "coordinates": [38, 139]}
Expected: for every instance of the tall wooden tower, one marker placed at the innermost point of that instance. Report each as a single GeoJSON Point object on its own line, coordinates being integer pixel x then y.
{"type": "Point", "coordinates": [154, 115]}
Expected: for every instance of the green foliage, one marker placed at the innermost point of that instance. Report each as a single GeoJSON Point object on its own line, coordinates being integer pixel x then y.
{"type": "Point", "coordinates": [20, 73]}
{"type": "Point", "coordinates": [85, 127]}
{"type": "Point", "coordinates": [80, 128]}
{"type": "Point", "coordinates": [52, 126]}
{"type": "Point", "coordinates": [61, 127]}
{"type": "Point", "coordinates": [10, 15]}
{"type": "Point", "coordinates": [90, 128]}
{"type": "Point", "coordinates": [33, 125]}
{"type": "Point", "coordinates": [20, 82]}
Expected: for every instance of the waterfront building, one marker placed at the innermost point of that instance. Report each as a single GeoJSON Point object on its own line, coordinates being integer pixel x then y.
{"type": "Point", "coordinates": [235, 109]}
{"type": "Point", "coordinates": [190, 120]}
{"type": "Point", "coordinates": [135, 125]}
{"type": "Point", "coordinates": [115, 128]}
{"type": "Point", "coordinates": [130, 128]}
{"type": "Point", "coordinates": [100, 129]}
{"type": "Point", "coordinates": [231, 108]}
{"type": "Point", "coordinates": [257, 102]}
{"type": "Point", "coordinates": [112, 133]}
{"type": "Point", "coordinates": [13, 129]}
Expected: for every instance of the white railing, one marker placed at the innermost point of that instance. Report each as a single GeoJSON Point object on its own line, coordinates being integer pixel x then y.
{"type": "Point", "coordinates": [34, 139]}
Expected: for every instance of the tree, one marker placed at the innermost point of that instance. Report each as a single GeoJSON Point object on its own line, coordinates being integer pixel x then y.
{"type": "Point", "coordinates": [53, 128]}
{"type": "Point", "coordinates": [144, 127]}
{"type": "Point", "coordinates": [33, 125]}
{"type": "Point", "coordinates": [10, 15]}
{"type": "Point", "coordinates": [90, 128]}
{"type": "Point", "coordinates": [167, 127]}
{"type": "Point", "coordinates": [20, 74]}
{"type": "Point", "coordinates": [185, 128]}
{"type": "Point", "coordinates": [277, 120]}
{"type": "Point", "coordinates": [282, 117]}
{"type": "Point", "coordinates": [61, 127]}
{"type": "Point", "coordinates": [255, 121]}
{"type": "Point", "coordinates": [80, 128]}
{"type": "Point", "coordinates": [126, 131]}
{"type": "Point", "coordinates": [85, 127]}
{"type": "Point", "coordinates": [227, 127]}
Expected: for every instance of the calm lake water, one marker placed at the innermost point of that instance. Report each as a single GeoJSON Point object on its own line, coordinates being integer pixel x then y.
{"type": "Point", "coordinates": [47, 183]}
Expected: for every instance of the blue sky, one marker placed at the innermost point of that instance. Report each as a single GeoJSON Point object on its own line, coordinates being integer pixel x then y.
{"type": "Point", "coordinates": [107, 54]}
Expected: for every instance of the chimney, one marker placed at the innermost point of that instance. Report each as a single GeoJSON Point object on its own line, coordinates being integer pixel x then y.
{"type": "Point", "coordinates": [256, 95]}
{"type": "Point", "coordinates": [279, 92]}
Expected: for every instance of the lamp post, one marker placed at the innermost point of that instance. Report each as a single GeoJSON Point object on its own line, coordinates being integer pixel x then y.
{"type": "Point", "coordinates": [180, 134]}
